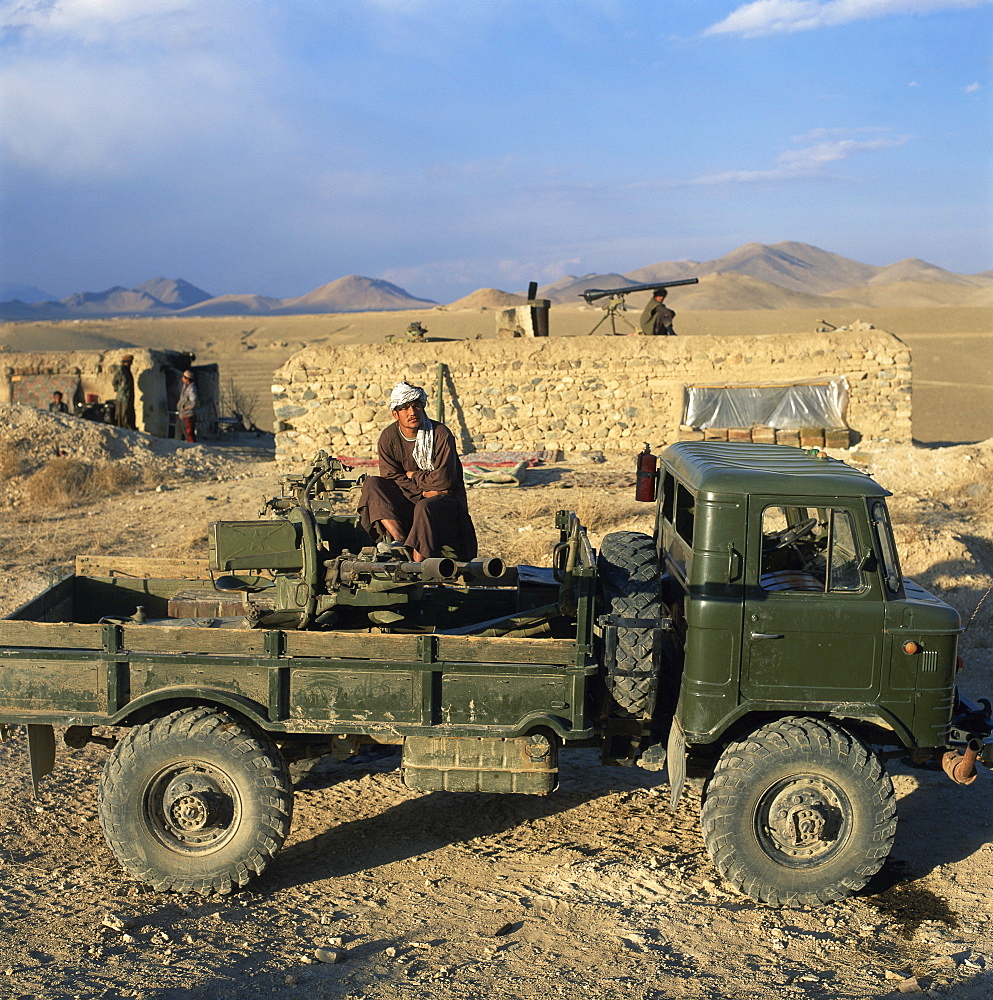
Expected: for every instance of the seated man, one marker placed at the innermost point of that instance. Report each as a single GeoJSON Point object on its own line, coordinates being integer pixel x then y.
{"type": "Point", "coordinates": [57, 405]}
{"type": "Point", "coordinates": [418, 499]}
{"type": "Point", "coordinates": [657, 317]}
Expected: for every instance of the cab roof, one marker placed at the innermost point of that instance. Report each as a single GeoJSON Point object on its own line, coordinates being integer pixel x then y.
{"type": "Point", "coordinates": [744, 468]}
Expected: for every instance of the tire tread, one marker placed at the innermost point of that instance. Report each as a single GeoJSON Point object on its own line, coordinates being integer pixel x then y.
{"type": "Point", "coordinates": [802, 739]}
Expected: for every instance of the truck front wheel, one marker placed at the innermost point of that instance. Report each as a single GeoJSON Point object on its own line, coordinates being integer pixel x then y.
{"type": "Point", "coordinates": [195, 801]}
{"type": "Point", "coordinates": [800, 813]}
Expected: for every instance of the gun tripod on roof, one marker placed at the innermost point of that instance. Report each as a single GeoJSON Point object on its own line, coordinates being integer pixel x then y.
{"type": "Point", "coordinates": [616, 306]}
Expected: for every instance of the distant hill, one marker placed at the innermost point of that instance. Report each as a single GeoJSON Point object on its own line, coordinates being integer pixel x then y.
{"type": "Point", "coordinates": [913, 269]}
{"type": "Point", "coordinates": [174, 292]}
{"type": "Point", "coordinates": [176, 296]}
{"type": "Point", "coordinates": [25, 293]}
{"type": "Point", "coordinates": [923, 294]}
{"type": "Point", "coordinates": [113, 301]}
{"type": "Point", "coordinates": [233, 305]}
{"type": "Point", "coordinates": [804, 270]}
{"type": "Point", "coordinates": [354, 293]}
{"type": "Point", "coordinates": [488, 298]}
{"type": "Point", "coordinates": [738, 291]}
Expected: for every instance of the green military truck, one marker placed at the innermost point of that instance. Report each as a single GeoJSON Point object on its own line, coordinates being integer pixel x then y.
{"type": "Point", "coordinates": [763, 633]}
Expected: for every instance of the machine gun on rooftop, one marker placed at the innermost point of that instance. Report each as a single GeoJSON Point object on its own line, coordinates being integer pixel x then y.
{"type": "Point", "coordinates": [617, 306]}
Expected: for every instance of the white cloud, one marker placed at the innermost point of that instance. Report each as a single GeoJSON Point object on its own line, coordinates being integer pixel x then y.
{"type": "Point", "coordinates": [118, 87]}
{"type": "Point", "coordinates": [62, 118]}
{"type": "Point", "coordinates": [824, 147]}
{"type": "Point", "coordinates": [770, 17]}
{"type": "Point", "coordinates": [103, 21]}
{"type": "Point", "coordinates": [973, 88]}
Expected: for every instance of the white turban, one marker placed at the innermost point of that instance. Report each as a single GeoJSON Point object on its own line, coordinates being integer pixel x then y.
{"type": "Point", "coordinates": [402, 395]}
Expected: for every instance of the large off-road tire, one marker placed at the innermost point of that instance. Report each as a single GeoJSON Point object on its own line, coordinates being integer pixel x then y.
{"type": "Point", "coordinates": [800, 813]}
{"type": "Point", "coordinates": [629, 575]}
{"type": "Point", "coordinates": [195, 801]}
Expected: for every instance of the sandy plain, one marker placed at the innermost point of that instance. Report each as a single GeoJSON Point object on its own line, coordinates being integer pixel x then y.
{"type": "Point", "coordinates": [596, 891]}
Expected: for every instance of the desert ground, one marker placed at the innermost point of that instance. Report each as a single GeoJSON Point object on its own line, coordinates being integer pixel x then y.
{"type": "Point", "coordinates": [382, 892]}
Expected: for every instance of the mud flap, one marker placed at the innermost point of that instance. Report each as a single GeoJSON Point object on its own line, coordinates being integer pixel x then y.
{"type": "Point", "coordinates": [41, 753]}
{"type": "Point", "coordinates": [675, 764]}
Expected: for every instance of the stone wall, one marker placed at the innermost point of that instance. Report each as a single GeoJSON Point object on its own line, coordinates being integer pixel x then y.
{"type": "Point", "coordinates": [574, 393]}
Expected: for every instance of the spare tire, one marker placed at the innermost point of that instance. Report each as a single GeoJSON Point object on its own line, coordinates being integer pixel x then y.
{"type": "Point", "coordinates": [629, 579]}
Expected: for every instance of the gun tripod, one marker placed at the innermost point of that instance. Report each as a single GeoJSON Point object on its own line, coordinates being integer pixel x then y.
{"type": "Point", "coordinates": [614, 311]}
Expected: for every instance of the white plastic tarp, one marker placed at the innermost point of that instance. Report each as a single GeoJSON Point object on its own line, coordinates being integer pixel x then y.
{"type": "Point", "coordinates": [785, 407]}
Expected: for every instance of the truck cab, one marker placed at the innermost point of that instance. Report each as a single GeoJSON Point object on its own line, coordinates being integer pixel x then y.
{"type": "Point", "coordinates": [789, 596]}
{"type": "Point", "coordinates": [767, 628]}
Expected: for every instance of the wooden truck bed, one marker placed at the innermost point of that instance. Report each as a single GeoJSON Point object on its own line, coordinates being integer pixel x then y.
{"type": "Point", "coordinates": [60, 666]}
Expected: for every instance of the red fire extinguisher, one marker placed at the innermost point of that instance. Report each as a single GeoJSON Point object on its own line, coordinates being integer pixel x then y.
{"type": "Point", "coordinates": [645, 488]}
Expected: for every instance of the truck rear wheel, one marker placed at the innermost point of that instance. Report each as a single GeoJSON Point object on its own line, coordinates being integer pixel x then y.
{"type": "Point", "coordinates": [629, 574]}
{"type": "Point", "coordinates": [195, 801]}
{"type": "Point", "coordinates": [800, 813]}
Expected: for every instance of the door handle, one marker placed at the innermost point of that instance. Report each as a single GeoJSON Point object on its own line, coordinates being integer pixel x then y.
{"type": "Point", "coordinates": [765, 635]}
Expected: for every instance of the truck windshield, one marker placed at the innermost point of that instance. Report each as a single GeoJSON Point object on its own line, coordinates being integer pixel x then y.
{"type": "Point", "coordinates": [887, 547]}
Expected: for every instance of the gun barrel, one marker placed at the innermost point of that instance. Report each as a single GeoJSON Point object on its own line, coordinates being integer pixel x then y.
{"type": "Point", "coordinates": [592, 294]}
{"type": "Point", "coordinates": [430, 570]}
{"type": "Point", "coordinates": [489, 569]}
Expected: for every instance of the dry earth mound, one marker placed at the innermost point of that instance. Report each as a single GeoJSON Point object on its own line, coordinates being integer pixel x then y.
{"type": "Point", "coordinates": [31, 439]}
{"type": "Point", "coordinates": [488, 298]}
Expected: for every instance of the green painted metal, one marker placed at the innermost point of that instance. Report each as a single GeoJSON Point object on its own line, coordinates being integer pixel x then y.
{"type": "Point", "coordinates": [750, 650]}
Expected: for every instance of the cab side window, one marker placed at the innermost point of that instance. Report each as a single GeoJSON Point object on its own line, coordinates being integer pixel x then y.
{"type": "Point", "coordinates": [809, 549]}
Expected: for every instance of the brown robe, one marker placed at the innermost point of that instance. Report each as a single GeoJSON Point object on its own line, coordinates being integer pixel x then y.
{"type": "Point", "coordinates": [429, 522]}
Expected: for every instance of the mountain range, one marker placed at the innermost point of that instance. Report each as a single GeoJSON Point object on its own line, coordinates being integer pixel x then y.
{"type": "Point", "coordinates": [755, 276]}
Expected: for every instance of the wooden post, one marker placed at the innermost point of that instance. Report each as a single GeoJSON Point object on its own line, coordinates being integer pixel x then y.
{"type": "Point", "coordinates": [440, 407]}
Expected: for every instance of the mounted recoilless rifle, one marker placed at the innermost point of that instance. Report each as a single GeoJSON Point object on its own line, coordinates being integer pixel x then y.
{"type": "Point", "coordinates": [592, 294]}
{"type": "Point", "coordinates": [613, 308]}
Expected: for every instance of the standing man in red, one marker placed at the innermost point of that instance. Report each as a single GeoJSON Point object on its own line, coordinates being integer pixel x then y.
{"type": "Point", "coordinates": [187, 407]}
{"type": "Point", "coordinates": [418, 500]}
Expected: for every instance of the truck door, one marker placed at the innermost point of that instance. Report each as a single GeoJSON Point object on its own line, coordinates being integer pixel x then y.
{"type": "Point", "coordinates": [813, 610]}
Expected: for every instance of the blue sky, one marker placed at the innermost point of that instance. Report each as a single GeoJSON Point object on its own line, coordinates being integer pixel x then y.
{"type": "Point", "coordinates": [270, 146]}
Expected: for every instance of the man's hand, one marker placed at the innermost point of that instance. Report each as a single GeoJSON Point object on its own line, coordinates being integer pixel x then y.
{"type": "Point", "coordinates": [433, 493]}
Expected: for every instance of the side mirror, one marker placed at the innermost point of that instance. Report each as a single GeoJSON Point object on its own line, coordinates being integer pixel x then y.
{"type": "Point", "coordinates": [868, 562]}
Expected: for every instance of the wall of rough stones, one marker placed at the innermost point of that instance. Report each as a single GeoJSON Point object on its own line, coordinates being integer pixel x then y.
{"type": "Point", "coordinates": [574, 394]}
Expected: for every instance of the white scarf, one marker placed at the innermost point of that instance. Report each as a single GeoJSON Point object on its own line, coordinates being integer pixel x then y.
{"type": "Point", "coordinates": [424, 445]}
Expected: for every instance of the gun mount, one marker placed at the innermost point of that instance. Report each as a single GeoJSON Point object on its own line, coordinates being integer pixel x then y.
{"type": "Point", "coordinates": [304, 566]}
{"type": "Point", "coordinates": [616, 307]}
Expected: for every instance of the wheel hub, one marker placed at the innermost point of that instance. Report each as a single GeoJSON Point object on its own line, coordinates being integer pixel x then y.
{"type": "Point", "coordinates": [803, 819]}
{"type": "Point", "coordinates": [192, 808]}
{"type": "Point", "coordinates": [193, 812]}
